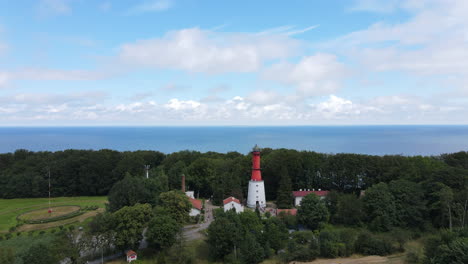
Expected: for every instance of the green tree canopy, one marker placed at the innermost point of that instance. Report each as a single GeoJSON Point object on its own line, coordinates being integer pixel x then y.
{"type": "Point", "coordinates": [162, 231]}
{"type": "Point", "coordinates": [128, 224]}
{"type": "Point", "coordinates": [177, 204]}
{"type": "Point", "coordinates": [312, 212]}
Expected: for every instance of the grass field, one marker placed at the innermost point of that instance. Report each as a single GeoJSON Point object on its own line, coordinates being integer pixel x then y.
{"type": "Point", "coordinates": [11, 208]}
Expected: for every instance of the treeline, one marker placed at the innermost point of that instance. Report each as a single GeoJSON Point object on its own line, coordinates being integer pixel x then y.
{"type": "Point", "coordinates": [88, 173]}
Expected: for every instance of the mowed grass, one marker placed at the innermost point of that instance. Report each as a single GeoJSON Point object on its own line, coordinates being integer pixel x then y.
{"type": "Point", "coordinates": [43, 213]}
{"type": "Point", "coordinates": [11, 208]}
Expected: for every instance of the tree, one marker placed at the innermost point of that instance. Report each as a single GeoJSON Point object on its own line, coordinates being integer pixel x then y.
{"type": "Point", "coordinates": [223, 237]}
{"type": "Point", "coordinates": [284, 197]}
{"type": "Point", "coordinates": [312, 212]}
{"type": "Point", "coordinates": [444, 199]}
{"type": "Point", "coordinates": [128, 224]}
{"type": "Point", "coordinates": [177, 204]}
{"type": "Point", "coordinates": [39, 254]}
{"type": "Point", "coordinates": [379, 206]}
{"type": "Point", "coordinates": [162, 231]}
{"type": "Point", "coordinates": [410, 206]}
{"type": "Point", "coordinates": [251, 251]}
{"type": "Point", "coordinates": [349, 210]}
{"type": "Point", "coordinates": [276, 233]}
{"type": "Point", "coordinates": [128, 192]}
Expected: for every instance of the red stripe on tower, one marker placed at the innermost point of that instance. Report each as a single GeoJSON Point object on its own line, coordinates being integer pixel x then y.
{"type": "Point", "coordinates": [256, 170]}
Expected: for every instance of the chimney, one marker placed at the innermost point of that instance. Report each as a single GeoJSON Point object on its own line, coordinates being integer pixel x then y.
{"type": "Point", "coordinates": [319, 190]}
{"type": "Point", "coordinates": [313, 190]}
{"type": "Point", "coordinates": [183, 183]}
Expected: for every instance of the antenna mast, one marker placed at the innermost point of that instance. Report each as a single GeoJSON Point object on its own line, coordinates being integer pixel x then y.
{"type": "Point", "coordinates": [48, 172]}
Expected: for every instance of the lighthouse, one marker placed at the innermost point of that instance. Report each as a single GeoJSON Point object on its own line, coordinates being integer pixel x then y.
{"type": "Point", "coordinates": [256, 194]}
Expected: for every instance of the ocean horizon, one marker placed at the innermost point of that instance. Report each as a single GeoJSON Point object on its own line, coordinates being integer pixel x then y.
{"type": "Point", "coordinates": [362, 139]}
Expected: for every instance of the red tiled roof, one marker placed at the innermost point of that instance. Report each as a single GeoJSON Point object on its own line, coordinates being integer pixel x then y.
{"type": "Point", "coordinates": [196, 203]}
{"type": "Point", "coordinates": [287, 211]}
{"type": "Point", "coordinates": [304, 193]}
{"type": "Point", "coordinates": [131, 253]}
{"type": "Point", "coordinates": [231, 199]}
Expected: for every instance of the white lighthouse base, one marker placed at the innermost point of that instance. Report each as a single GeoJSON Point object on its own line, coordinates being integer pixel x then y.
{"type": "Point", "coordinates": [256, 194]}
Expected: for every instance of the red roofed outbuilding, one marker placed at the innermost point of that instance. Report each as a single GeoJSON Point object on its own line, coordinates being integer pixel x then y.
{"type": "Point", "coordinates": [233, 203]}
{"type": "Point", "coordinates": [196, 206]}
{"type": "Point", "coordinates": [298, 195]}
{"type": "Point", "coordinates": [131, 256]}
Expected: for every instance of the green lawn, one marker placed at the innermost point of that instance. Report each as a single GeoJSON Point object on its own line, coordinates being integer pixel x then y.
{"type": "Point", "coordinates": [11, 208]}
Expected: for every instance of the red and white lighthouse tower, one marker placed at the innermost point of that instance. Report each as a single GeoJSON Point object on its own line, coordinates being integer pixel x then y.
{"type": "Point", "coordinates": [256, 194]}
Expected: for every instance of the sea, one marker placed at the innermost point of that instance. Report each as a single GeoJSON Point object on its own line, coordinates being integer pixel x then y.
{"type": "Point", "coordinates": [405, 140]}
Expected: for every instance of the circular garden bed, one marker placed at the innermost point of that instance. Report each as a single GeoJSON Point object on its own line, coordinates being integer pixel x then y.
{"type": "Point", "coordinates": [43, 216]}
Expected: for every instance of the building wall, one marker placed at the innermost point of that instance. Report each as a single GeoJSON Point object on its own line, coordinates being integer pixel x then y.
{"type": "Point", "coordinates": [194, 212]}
{"type": "Point", "coordinates": [298, 200]}
{"type": "Point", "coordinates": [238, 207]}
{"type": "Point", "coordinates": [256, 193]}
{"type": "Point", "coordinates": [190, 194]}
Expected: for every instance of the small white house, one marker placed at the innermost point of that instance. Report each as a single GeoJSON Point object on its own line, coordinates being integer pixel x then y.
{"type": "Point", "coordinates": [299, 195]}
{"type": "Point", "coordinates": [131, 256]}
{"type": "Point", "coordinates": [196, 207]}
{"type": "Point", "coordinates": [233, 203]}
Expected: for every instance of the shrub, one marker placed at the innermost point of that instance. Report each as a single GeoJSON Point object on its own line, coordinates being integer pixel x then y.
{"type": "Point", "coordinates": [1, 237]}
{"type": "Point", "coordinates": [18, 234]}
{"type": "Point", "coordinates": [8, 236]}
{"type": "Point", "coordinates": [369, 244]}
{"type": "Point", "coordinates": [12, 229]}
{"type": "Point", "coordinates": [41, 232]}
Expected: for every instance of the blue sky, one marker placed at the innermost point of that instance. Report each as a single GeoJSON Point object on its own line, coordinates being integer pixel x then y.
{"type": "Point", "coordinates": [187, 62]}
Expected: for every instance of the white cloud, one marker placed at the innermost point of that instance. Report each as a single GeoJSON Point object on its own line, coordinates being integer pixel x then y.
{"type": "Point", "coordinates": [176, 104]}
{"type": "Point", "coordinates": [86, 108]}
{"type": "Point", "coordinates": [54, 7]}
{"type": "Point", "coordinates": [313, 75]}
{"type": "Point", "coordinates": [339, 107]}
{"type": "Point", "coordinates": [59, 75]}
{"type": "Point", "coordinates": [431, 42]}
{"type": "Point", "coordinates": [197, 50]}
{"type": "Point", "coordinates": [4, 78]}
{"type": "Point", "coordinates": [263, 97]}
{"type": "Point", "coordinates": [151, 6]}
{"type": "Point", "coordinates": [105, 6]}
{"type": "Point", "coordinates": [379, 6]}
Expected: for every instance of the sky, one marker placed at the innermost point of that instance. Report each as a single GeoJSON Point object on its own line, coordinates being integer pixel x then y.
{"type": "Point", "coordinates": [193, 62]}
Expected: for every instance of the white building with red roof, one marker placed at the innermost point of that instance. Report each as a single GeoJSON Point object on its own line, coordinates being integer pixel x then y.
{"type": "Point", "coordinates": [131, 256]}
{"type": "Point", "coordinates": [299, 195]}
{"type": "Point", "coordinates": [196, 207]}
{"type": "Point", "coordinates": [233, 203]}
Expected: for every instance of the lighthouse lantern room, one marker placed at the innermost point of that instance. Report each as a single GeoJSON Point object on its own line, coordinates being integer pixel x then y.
{"type": "Point", "coordinates": [256, 194]}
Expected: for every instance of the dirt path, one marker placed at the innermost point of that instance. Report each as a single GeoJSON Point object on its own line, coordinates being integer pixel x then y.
{"type": "Point", "coordinates": [80, 218]}
{"type": "Point", "coordinates": [394, 259]}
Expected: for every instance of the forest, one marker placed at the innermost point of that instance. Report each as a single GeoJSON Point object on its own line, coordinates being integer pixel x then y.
{"type": "Point", "coordinates": [376, 204]}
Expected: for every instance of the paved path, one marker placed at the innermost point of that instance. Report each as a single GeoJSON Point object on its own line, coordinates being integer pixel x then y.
{"type": "Point", "coordinates": [192, 232]}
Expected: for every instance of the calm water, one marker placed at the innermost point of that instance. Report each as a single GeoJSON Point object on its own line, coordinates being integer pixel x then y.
{"type": "Point", "coordinates": [406, 140]}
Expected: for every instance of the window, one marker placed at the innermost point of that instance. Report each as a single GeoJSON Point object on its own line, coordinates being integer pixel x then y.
{"type": "Point", "coordinates": [257, 185]}
{"type": "Point", "coordinates": [257, 190]}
